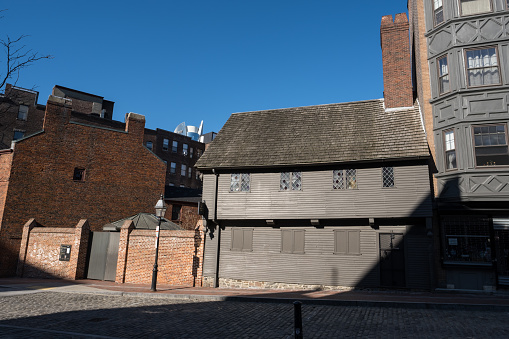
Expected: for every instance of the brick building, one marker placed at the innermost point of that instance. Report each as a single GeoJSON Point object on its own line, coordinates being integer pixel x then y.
{"type": "Point", "coordinates": [74, 170]}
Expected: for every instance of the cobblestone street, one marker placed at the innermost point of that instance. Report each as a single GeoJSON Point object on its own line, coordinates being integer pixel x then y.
{"type": "Point", "coordinates": [75, 315]}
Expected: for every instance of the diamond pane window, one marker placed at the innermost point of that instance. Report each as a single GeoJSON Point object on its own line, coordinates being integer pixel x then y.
{"type": "Point", "coordinates": [240, 182]}
{"type": "Point", "coordinates": [296, 181]}
{"type": "Point", "coordinates": [388, 176]}
{"type": "Point", "coordinates": [284, 182]}
{"type": "Point", "coordinates": [344, 179]}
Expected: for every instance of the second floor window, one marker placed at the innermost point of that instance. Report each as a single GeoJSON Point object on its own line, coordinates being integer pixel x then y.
{"type": "Point", "coordinates": [290, 181]}
{"type": "Point", "coordinates": [438, 12]}
{"type": "Point", "coordinates": [185, 147]}
{"type": "Point", "coordinates": [22, 112]}
{"type": "Point", "coordinates": [443, 75]}
{"type": "Point", "coordinates": [388, 176]}
{"type": "Point", "coordinates": [165, 144]}
{"type": "Point", "coordinates": [240, 182]}
{"type": "Point", "coordinates": [450, 150]}
{"type": "Point", "coordinates": [344, 179]}
{"type": "Point", "coordinates": [482, 67]}
{"type": "Point", "coordinates": [471, 7]}
{"type": "Point", "coordinates": [490, 145]}
{"type": "Point", "coordinates": [174, 146]}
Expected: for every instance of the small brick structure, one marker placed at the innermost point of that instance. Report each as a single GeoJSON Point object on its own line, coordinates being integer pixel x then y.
{"type": "Point", "coordinates": [180, 256]}
{"type": "Point", "coordinates": [39, 255]}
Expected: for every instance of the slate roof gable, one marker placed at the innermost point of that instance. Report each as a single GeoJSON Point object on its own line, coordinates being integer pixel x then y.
{"type": "Point", "coordinates": [313, 135]}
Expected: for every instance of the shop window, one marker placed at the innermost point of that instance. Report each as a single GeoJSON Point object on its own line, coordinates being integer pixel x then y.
{"type": "Point", "coordinates": [444, 85]}
{"type": "Point", "coordinates": [174, 146]}
{"type": "Point", "coordinates": [345, 179]}
{"type": "Point", "coordinates": [240, 182]}
{"type": "Point", "coordinates": [347, 242]}
{"type": "Point", "coordinates": [242, 239]}
{"type": "Point", "coordinates": [466, 240]}
{"type": "Point", "coordinates": [290, 181]}
{"type": "Point", "coordinates": [438, 12]}
{"type": "Point", "coordinates": [450, 150]}
{"type": "Point", "coordinates": [22, 112]}
{"type": "Point", "coordinates": [165, 144]}
{"type": "Point", "coordinates": [18, 134]}
{"type": "Point", "coordinates": [79, 174]}
{"type": "Point", "coordinates": [471, 7]}
{"type": "Point", "coordinates": [490, 144]}
{"type": "Point", "coordinates": [292, 241]}
{"type": "Point", "coordinates": [388, 176]}
{"type": "Point", "coordinates": [482, 67]}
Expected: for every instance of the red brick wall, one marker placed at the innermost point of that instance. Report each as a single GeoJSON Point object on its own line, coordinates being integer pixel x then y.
{"type": "Point", "coordinates": [396, 60]}
{"type": "Point", "coordinates": [122, 177]}
{"type": "Point", "coordinates": [188, 215]}
{"type": "Point", "coordinates": [179, 263]}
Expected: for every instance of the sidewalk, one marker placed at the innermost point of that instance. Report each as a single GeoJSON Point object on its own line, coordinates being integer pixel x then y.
{"type": "Point", "coordinates": [494, 301]}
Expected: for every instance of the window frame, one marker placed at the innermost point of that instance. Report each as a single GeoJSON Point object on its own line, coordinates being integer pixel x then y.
{"type": "Point", "coordinates": [393, 177]}
{"type": "Point", "coordinates": [440, 77]}
{"type": "Point", "coordinates": [347, 232]}
{"type": "Point", "coordinates": [174, 146]}
{"type": "Point", "coordinates": [444, 139]}
{"type": "Point", "coordinates": [467, 69]}
{"type": "Point", "coordinates": [166, 144]}
{"type": "Point", "coordinates": [242, 176]}
{"type": "Point", "coordinates": [183, 170]}
{"type": "Point", "coordinates": [293, 250]}
{"type": "Point", "coordinates": [185, 149]}
{"type": "Point", "coordinates": [345, 175]}
{"type": "Point", "coordinates": [151, 145]}
{"type": "Point", "coordinates": [435, 11]}
{"type": "Point", "coordinates": [474, 147]}
{"type": "Point", "coordinates": [290, 185]}
{"type": "Point", "coordinates": [173, 167]}
{"type": "Point", "coordinates": [18, 131]}
{"type": "Point", "coordinates": [243, 247]}
{"type": "Point", "coordinates": [25, 117]}
{"type": "Point", "coordinates": [467, 15]}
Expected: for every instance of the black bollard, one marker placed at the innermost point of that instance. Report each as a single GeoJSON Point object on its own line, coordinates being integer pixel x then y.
{"type": "Point", "coordinates": [297, 328]}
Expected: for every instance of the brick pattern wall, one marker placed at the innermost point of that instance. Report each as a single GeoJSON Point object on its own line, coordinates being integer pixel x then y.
{"type": "Point", "coordinates": [122, 178]}
{"type": "Point", "coordinates": [40, 251]}
{"type": "Point", "coordinates": [188, 215]}
{"type": "Point", "coordinates": [396, 61]}
{"type": "Point", "coordinates": [180, 257]}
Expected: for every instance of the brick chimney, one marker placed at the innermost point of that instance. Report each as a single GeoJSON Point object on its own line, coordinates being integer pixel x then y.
{"type": "Point", "coordinates": [135, 125]}
{"type": "Point", "coordinates": [57, 114]}
{"type": "Point", "coordinates": [396, 60]}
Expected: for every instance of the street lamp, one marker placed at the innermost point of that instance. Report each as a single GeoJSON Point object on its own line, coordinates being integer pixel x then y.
{"type": "Point", "coordinates": [160, 210]}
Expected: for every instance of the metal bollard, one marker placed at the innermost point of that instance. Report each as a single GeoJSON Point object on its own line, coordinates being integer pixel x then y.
{"type": "Point", "coordinates": [297, 327]}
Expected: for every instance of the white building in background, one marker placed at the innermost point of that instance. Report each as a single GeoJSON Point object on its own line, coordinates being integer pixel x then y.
{"type": "Point", "coordinates": [195, 133]}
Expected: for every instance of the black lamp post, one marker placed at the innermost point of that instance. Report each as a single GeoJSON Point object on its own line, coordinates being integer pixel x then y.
{"type": "Point", "coordinates": [160, 210]}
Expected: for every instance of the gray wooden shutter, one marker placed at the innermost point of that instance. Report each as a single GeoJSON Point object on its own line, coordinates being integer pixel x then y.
{"type": "Point", "coordinates": [340, 242]}
{"type": "Point", "coordinates": [286, 241]}
{"type": "Point", "coordinates": [237, 239]}
{"type": "Point", "coordinates": [299, 240]}
{"type": "Point", "coordinates": [354, 242]}
{"type": "Point", "coordinates": [248, 240]}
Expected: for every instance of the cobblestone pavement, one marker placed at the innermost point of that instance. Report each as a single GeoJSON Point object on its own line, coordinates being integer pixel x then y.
{"type": "Point", "coordinates": [74, 315]}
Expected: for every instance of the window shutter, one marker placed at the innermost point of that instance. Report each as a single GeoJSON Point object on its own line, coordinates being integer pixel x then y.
{"type": "Point", "coordinates": [340, 245]}
{"type": "Point", "coordinates": [248, 240]}
{"type": "Point", "coordinates": [298, 245]}
{"type": "Point", "coordinates": [286, 241]}
{"type": "Point", "coordinates": [237, 238]}
{"type": "Point", "coordinates": [354, 242]}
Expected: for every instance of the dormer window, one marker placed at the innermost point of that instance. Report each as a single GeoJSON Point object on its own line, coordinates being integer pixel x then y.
{"type": "Point", "coordinates": [438, 12]}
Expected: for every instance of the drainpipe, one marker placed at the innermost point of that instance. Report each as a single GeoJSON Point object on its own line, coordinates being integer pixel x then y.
{"type": "Point", "coordinates": [218, 250]}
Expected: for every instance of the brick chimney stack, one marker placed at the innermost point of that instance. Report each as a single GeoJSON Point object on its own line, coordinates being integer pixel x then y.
{"type": "Point", "coordinates": [396, 60]}
{"type": "Point", "coordinates": [135, 125]}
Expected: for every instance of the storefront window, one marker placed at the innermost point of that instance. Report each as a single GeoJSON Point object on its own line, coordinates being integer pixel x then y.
{"type": "Point", "coordinates": [466, 240]}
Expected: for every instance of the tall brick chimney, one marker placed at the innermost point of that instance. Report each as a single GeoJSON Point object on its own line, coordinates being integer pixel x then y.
{"type": "Point", "coordinates": [396, 60]}
{"type": "Point", "coordinates": [135, 125]}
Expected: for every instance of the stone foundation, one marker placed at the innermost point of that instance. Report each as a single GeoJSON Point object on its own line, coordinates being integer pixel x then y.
{"type": "Point", "coordinates": [208, 281]}
{"type": "Point", "coordinates": [233, 283]}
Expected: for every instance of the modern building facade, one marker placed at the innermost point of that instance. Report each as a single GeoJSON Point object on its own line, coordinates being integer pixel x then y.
{"type": "Point", "coordinates": [461, 76]}
{"type": "Point", "coordinates": [347, 207]}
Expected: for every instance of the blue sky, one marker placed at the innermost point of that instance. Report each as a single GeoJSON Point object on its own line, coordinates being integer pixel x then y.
{"type": "Point", "coordinates": [194, 60]}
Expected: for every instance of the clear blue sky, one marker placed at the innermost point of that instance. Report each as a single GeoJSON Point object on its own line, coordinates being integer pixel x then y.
{"type": "Point", "coordinates": [194, 60]}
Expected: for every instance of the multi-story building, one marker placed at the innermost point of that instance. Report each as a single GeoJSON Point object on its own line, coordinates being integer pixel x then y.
{"type": "Point", "coordinates": [461, 76]}
{"type": "Point", "coordinates": [22, 116]}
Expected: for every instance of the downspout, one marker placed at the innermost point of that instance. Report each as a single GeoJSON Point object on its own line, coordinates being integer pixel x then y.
{"type": "Point", "coordinates": [218, 249]}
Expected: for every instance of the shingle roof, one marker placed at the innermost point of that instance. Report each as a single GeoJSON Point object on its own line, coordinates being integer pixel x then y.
{"type": "Point", "coordinates": [324, 134]}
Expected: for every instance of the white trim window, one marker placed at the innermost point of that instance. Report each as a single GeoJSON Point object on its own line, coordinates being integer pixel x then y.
{"type": "Point", "coordinates": [443, 75]}
{"type": "Point", "coordinates": [438, 12]}
{"type": "Point", "coordinates": [482, 66]}
{"type": "Point", "coordinates": [450, 150]}
{"type": "Point", "coordinates": [240, 182]}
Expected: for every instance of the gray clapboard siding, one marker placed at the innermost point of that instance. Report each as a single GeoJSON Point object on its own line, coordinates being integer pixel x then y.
{"type": "Point", "coordinates": [317, 200]}
{"type": "Point", "coordinates": [318, 265]}
{"type": "Point", "coordinates": [210, 255]}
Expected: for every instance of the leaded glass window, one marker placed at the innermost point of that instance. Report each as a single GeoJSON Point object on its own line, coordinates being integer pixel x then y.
{"type": "Point", "coordinates": [344, 179]}
{"type": "Point", "coordinates": [482, 67]}
{"type": "Point", "coordinates": [388, 176]}
{"type": "Point", "coordinates": [290, 181]}
{"type": "Point", "coordinates": [240, 182]}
